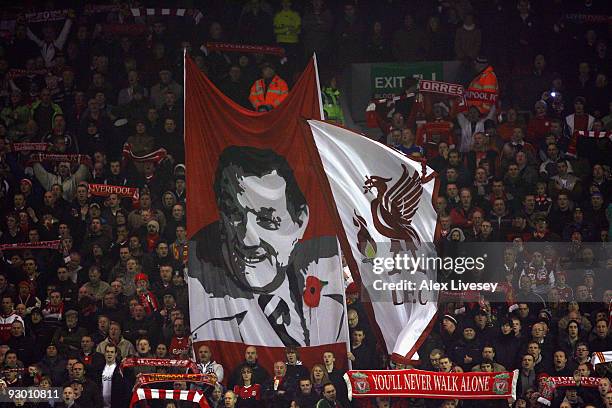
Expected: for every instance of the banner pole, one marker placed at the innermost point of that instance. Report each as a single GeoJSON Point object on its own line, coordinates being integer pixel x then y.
{"type": "Point", "coordinates": [316, 67]}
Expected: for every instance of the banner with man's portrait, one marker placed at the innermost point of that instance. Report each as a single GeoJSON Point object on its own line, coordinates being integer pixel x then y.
{"type": "Point", "coordinates": [264, 261]}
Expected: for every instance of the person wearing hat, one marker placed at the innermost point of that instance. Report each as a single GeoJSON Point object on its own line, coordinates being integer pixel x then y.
{"type": "Point", "coordinates": [483, 325]}
{"type": "Point", "coordinates": [152, 237]}
{"type": "Point", "coordinates": [519, 228]}
{"type": "Point", "coordinates": [467, 351]}
{"type": "Point", "coordinates": [542, 233]}
{"type": "Point", "coordinates": [580, 226]}
{"type": "Point", "coordinates": [26, 297]}
{"type": "Point", "coordinates": [26, 188]}
{"type": "Point", "coordinates": [595, 212]}
{"type": "Point", "coordinates": [96, 235]}
{"type": "Point", "coordinates": [145, 297]}
{"type": "Point", "coordinates": [506, 345]}
{"type": "Point", "coordinates": [449, 332]}
{"type": "Point", "coordinates": [269, 91]}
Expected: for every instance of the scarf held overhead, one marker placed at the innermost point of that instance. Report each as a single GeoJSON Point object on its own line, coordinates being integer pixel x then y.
{"type": "Point", "coordinates": [31, 245]}
{"type": "Point", "coordinates": [429, 384]}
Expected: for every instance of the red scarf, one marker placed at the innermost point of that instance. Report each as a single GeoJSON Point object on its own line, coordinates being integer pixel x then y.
{"type": "Point", "coordinates": [54, 311]}
{"type": "Point", "coordinates": [148, 301]}
{"type": "Point", "coordinates": [152, 240]}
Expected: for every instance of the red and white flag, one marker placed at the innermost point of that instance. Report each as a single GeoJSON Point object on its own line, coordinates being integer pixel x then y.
{"type": "Point", "coordinates": [384, 200]}
{"type": "Point", "coordinates": [264, 260]}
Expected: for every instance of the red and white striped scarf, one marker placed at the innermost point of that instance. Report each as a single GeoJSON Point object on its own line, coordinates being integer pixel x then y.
{"type": "Point", "coordinates": [168, 12]}
{"type": "Point", "coordinates": [148, 301]}
{"type": "Point", "coordinates": [156, 157]}
{"type": "Point", "coordinates": [195, 396]}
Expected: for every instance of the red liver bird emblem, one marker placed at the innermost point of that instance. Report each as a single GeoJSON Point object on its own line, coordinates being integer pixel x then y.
{"type": "Point", "coordinates": [393, 208]}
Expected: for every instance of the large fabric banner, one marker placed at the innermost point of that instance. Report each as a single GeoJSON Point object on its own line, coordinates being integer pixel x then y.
{"type": "Point", "coordinates": [429, 384]}
{"type": "Point", "coordinates": [384, 200]}
{"type": "Point", "coordinates": [264, 260]}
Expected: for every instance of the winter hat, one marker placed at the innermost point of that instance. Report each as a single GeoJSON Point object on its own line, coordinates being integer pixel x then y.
{"type": "Point", "coordinates": [451, 318]}
{"type": "Point", "coordinates": [468, 325]}
{"type": "Point", "coordinates": [141, 276]}
{"type": "Point", "coordinates": [546, 314]}
{"type": "Point", "coordinates": [179, 168]}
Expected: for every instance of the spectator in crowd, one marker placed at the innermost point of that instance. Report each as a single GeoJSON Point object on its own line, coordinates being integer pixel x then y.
{"type": "Point", "coordinates": [113, 386]}
{"type": "Point", "coordinates": [329, 397]}
{"type": "Point", "coordinates": [207, 365]}
{"type": "Point", "coordinates": [260, 374]}
{"type": "Point", "coordinates": [248, 392]}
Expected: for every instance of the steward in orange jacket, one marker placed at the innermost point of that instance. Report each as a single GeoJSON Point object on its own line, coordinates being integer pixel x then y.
{"type": "Point", "coordinates": [268, 92]}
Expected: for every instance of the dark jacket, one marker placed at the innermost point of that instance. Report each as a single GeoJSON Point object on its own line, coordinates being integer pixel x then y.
{"type": "Point", "coordinates": [54, 368]}
{"type": "Point", "coordinates": [467, 348]}
{"type": "Point", "coordinates": [94, 364]}
{"type": "Point", "coordinates": [120, 391]}
{"type": "Point", "coordinates": [507, 349]}
{"type": "Point", "coordinates": [280, 397]}
{"type": "Point", "coordinates": [307, 401]}
{"type": "Point", "coordinates": [26, 349]}
{"type": "Point", "coordinates": [365, 358]}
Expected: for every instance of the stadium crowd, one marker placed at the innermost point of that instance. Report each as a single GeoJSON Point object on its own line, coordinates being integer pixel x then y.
{"type": "Point", "coordinates": [95, 98]}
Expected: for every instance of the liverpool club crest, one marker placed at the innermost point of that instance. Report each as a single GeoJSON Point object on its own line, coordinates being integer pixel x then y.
{"type": "Point", "coordinates": [362, 385]}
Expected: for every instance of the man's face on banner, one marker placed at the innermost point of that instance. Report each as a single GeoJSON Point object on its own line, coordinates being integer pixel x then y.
{"type": "Point", "coordinates": [258, 228]}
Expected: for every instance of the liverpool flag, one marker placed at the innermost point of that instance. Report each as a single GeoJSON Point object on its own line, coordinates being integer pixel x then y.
{"type": "Point", "coordinates": [387, 223]}
{"type": "Point", "coordinates": [264, 260]}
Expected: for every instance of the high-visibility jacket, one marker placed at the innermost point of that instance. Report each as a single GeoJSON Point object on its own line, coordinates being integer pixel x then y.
{"type": "Point", "coordinates": [485, 81]}
{"type": "Point", "coordinates": [273, 95]}
{"type": "Point", "coordinates": [331, 105]}
{"type": "Point", "coordinates": [287, 27]}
